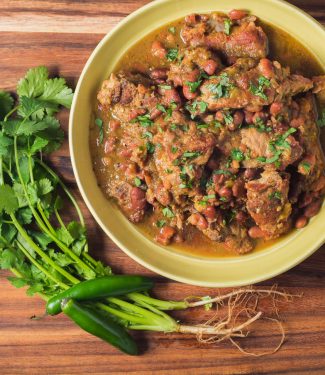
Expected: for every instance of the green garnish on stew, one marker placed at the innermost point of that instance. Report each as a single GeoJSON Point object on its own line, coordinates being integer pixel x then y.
{"type": "Point", "coordinates": [99, 123]}
{"type": "Point", "coordinates": [227, 26]}
{"type": "Point", "coordinates": [172, 54]}
{"type": "Point", "coordinates": [228, 118]}
{"type": "Point", "coordinates": [263, 83]}
{"type": "Point", "coordinates": [143, 120]}
{"type": "Point", "coordinates": [137, 181]}
{"type": "Point", "coordinates": [167, 212]}
{"type": "Point", "coordinates": [222, 88]}
{"type": "Point", "coordinates": [160, 223]}
{"type": "Point", "coordinates": [236, 154]}
{"type": "Point", "coordinates": [321, 119]}
{"type": "Point", "coordinates": [150, 147]}
{"type": "Point", "coordinates": [275, 195]}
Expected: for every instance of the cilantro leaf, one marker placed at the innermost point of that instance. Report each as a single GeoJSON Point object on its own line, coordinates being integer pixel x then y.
{"type": "Point", "coordinates": [56, 91]}
{"type": "Point", "coordinates": [6, 103]}
{"type": "Point", "coordinates": [321, 119]}
{"type": "Point", "coordinates": [44, 186]}
{"type": "Point", "coordinates": [5, 142]}
{"type": "Point", "coordinates": [227, 26]}
{"type": "Point", "coordinates": [172, 54]}
{"type": "Point", "coordinates": [8, 199]}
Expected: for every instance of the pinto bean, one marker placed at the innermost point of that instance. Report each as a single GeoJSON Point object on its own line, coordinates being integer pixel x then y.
{"type": "Point", "coordinates": [138, 198]}
{"type": "Point", "coordinates": [255, 232]}
{"type": "Point", "coordinates": [219, 116]}
{"type": "Point", "coordinates": [276, 108]}
{"type": "Point", "coordinates": [249, 117]}
{"type": "Point", "coordinates": [210, 212]}
{"type": "Point", "coordinates": [155, 113]}
{"type": "Point", "coordinates": [136, 112]}
{"type": "Point", "coordinates": [313, 208]}
{"type": "Point", "coordinates": [158, 74]}
{"type": "Point", "coordinates": [237, 14]}
{"type": "Point", "coordinates": [114, 125]}
{"type": "Point", "coordinates": [250, 173]}
{"type": "Point", "coordinates": [266, 67]}
{"type": "Point", "coordinates": [301, 222]}
{"type": "Point", "coordinates": [198, 220]}
{"type": "Point", "coordinates": [210, 66]}
{"type": "Point", "coordinates": [238, 189]}
{"type": "Point", "coordinates": [188, 93]}
{"type": "Point", "coordinates": [225, 192]}
{"type": "Point", "coordinates": [238, 117]}
{"type": "Point", "coordinates": [165, 235]}
{"type": "Point", "coordinates": [172, 95]}
{"type": "Point", "coordinates": [158, 50]}
{"type": "Point", "coordinates": [191, 19]}
{"type": "Point", "coordinates": [241, 217]}
{"type": "Point", "coordinates": [109, 145]}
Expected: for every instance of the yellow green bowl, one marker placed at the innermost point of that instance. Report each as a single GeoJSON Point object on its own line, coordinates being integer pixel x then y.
{"type": "Point", "coordinates": [218, 272]}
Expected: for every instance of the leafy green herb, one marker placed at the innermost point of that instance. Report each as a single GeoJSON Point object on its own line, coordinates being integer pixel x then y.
{"type": "Point", "coordinates": [227, 26]}
{"type": "Point", "coordinates": [193, 85]}
{"type": "Point", "coordinates": [170, 110]}
{"type": "Point", "coordinates": [222, 171]}
{"type": "Point", "coordinates": [137, 181]}
{"type": "Point", "coordinates": [143, 120]}
{"type": "Point", "coordinates": [263, 83]}
{"type": "Point", "coordinates": [174, 149]}
{"type": "Point", "coordinates": [172, 54]}
{"type": "Point", "coordinates": [261, 127]}
{"type": "Point", "coordinates": [99, 123]}
{"type": "Point", "coordinates": [191, 154]}
{"type": "Point", "coordinates": [169, 171]}
{"type": "Point", "coordinates": [228, 118]}
{"type": "Point", "coordinates": [275, 195]}
{"type": "Point", "coordinates": [161, 108]}
{"type": "Point", "coordinates": [165, 87]}
{"type": "Point", "coordinates": [196, 105]}
{"type": "Point", "coordinates": [150, 147]}
{"type": "Point", "coordinates": [147, 134]}
{"type": "Point", "coordinates": [305, 166]}
{"type": "Point", "coordinates": [236, 154]}
{"type": "Point", "coordinates": [321, 119]}
{"type": "Point", "coordinates": [167, 212]}
{"type": "Point", "coordinates": [160, 223]}
{"type": "Point", "coordinates": [222, 88]}
{"type": "Point", "coordinates": [172, 30]}
{"type": "Point", "coordinates": [202, 126]}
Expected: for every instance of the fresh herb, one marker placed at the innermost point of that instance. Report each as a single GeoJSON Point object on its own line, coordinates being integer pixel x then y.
{"type": "Point", "coordinates": [305, 166]}
{"type": "Point", "coordinates": [99, 123]}
{"type": "Point", "coordinates": [169, 171]}
{"type": "Point", "coordinates": [321, 120]}
{"type": "Point", "coordinates": [275, 195]}
{"type": "Point", "coordinates": [173, 126]}
{"type": "Point", "coordinates": [236, 154]}
{"type": "Point", "coordinates": [160, 223]}
{"type": "Point", "coordinates": [222, 171]}
{"type": "Point", "coordinates": [172, 54]}
{"type": "Point", "coordinates": [174, 149]}
{"type": "Point", "coordinates": [172, 30]}
{"type": "Point", "coordinates": [202, 126]}
{"type": "Point", "coordinates": [161, 108]}
{"type": "Point", "coordinates": [196, 105]}
{"type": "Point", "coordinates": [169, 111]}
{"type": "Point", "coordinates": [150, 147]}
{"type": "Point", "coordinates": [228, 118]}
{"type": "Point", "coordinates": [143, 120]}
{"type": "Point", "coordinates": [263, 83]}
{"type": "Point", "coordinates": [147, 134]}
{"type": "Point", "coordinates": [261, 127]}
{"type": "Point", "coordinates": [206, 198]}
{"type": "Point", "coordinates": [137, 181]}
{"type": "Point", "coordinates": [191, 154]}
{"type": "Point", "coordinates": [222, 88]}
{"type": "Point", "coordinates": [227, 26]}
{"type": "Point", "coordinates": [193, 85]}
{"type": "Point", "coordinates": [165, 87]}
{"type": "Point", "coordinates": [223, 199]}
{"type": "Point", "coordinates": [167, 212]}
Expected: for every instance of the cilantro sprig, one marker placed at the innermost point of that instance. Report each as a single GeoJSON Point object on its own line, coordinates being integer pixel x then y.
{"type": "Point", "coordinates": [258, 90]}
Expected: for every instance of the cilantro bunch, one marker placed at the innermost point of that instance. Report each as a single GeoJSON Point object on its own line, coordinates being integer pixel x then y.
{"type": "Point", "coordinates": [42, 250]}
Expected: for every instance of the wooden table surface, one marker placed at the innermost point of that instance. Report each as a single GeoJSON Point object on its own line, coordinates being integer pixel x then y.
{"type": "Point", "coordinates": [61, 34]}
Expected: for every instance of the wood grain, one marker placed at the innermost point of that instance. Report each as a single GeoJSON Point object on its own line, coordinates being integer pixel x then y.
{"type": "Point", "coordinates": [61, 34]}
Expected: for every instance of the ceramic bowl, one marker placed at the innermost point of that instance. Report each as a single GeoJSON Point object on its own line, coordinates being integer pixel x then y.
{"type": "Point", "coordinates": [219, 272]}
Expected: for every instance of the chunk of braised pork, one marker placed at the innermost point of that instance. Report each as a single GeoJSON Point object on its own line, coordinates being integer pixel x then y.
{"type": "Point", "coordinates": [194, 61]}
{"type": "Point", "coordinates": [251, 84]}
{"type": "Point", "coordinates": [131, 199]}
{"type": "Point", "coordinates": [267, 203]}
{"type": "Point", "coordinates": [244, 39]}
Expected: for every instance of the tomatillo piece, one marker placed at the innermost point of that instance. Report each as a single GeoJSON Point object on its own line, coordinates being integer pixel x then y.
{"type": "Point", "coordinates": [99, 325]}
{"type": "Point", "coordinates": [107, 286]}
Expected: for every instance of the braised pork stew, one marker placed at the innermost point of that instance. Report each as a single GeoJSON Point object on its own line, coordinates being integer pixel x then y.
{"type": "Point", "coordinates": [203, 135]}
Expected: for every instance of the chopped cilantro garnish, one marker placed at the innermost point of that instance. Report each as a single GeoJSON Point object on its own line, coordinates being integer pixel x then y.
{"type": "Point", "coordinates": [99, 123]}
{"type": "Point", "coordinates": [174, 149]}
{"type": "Point", "coordinates": [192, 108]}
{"type": "Point", "coordinates": [261, 127]}
{"type": "Point", "coordinates": [143, 120]}
{"type": "Point", "coordinates": [172, 30]}
{"type": "Point", "coordinates": [165, 87]}
{"type": "Point", "coordinates": [321, 119]}
{"type": "Point", "coordinates": [137, 181]}
{"type": "Point", "coordinates": [173, 126]}
{"type": "Point", "coordinates": [222, 171]}
{"type": "Point", "coordinates": [202, 126]}
{"type": "Point", "coordinates": [172, 54]}
{"type": "Point", "coordinates": [222, 88]}
{"type": "Point", "coordinates": [169, 171]}
{"type": "Point", "coordinates": [205, 199]}
{"type": "Point", "coordinates": [228, 118]}
{"type": "Point", "coordinates": [160, 223]}
{"type": "Point", "coordinates": [227, 26]}
{"type": "Point", "coordinates": [150, 147]}
{"type": "Point", "coordinates": [167, 212]}
{"type": "Point", "coordinates": [236, 154]}
{"type": "Point", "coordinates": [147, 134]}
{"type": "Point", "coordinates": [161, 108]}
{"type": "Point", "coordinates": [191, 154]}
{"type": "Point", "coordinates": [263, 82]}
{"type": "Point", "coordinates": [275, 195]}
{"type": "Point", "coordinates": [193, 85]}
{"type": "Point", "coordinates": [223, 199]}
{"type": "Point", "coordinates": [305, 165]}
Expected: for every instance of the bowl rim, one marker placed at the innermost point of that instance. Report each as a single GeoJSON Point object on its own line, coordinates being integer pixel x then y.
{"type": "Point", "coordinates": [267, 275]}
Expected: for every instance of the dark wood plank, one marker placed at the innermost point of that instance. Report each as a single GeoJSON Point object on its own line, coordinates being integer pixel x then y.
{"type": "Point", "coordinates": [61, 34]}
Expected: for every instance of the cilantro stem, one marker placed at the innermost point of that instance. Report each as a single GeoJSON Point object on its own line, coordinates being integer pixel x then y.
{"type": "Point", "coordinates": [40, 252]}
{"type": "Point", "coordinates": [59, 219]}
{"type": "Point", "coordinates": [65, 189]}
{"type": "Point", "coordinates": [40, 267]}
{"type": "Point", "coordinates": [10, 113]}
